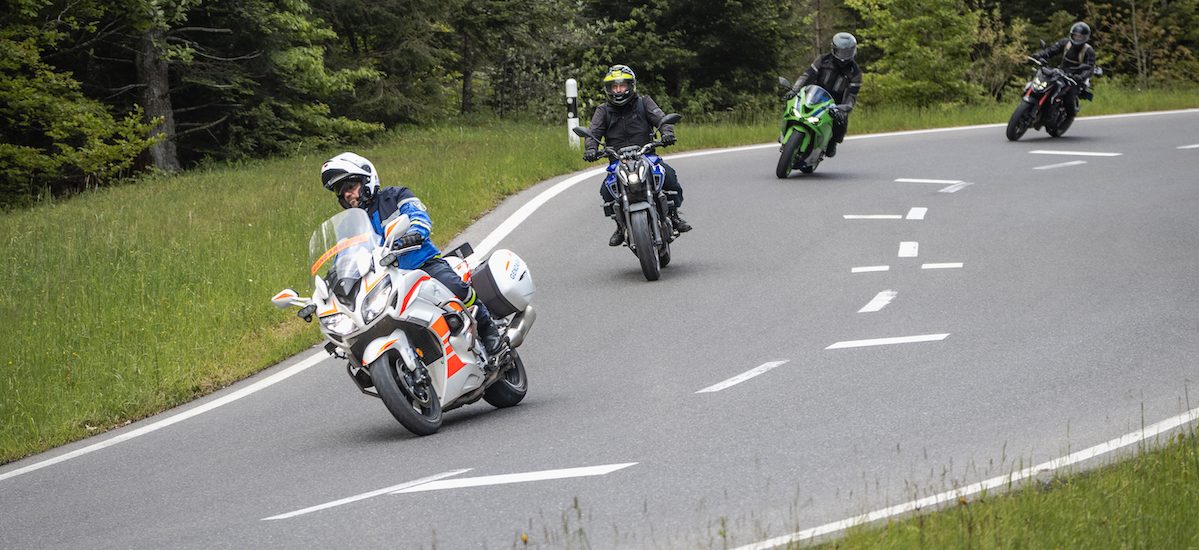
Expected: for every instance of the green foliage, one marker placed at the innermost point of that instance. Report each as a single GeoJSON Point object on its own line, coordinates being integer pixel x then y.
{"type": "Point", "coordinates": [1139, 42]}
{"type": "Point", "coordinates": [998, 52]}
{"type": "Point", "coordinates": [52, 138]}
{"type": "Point", "coordinates": [925, 47]}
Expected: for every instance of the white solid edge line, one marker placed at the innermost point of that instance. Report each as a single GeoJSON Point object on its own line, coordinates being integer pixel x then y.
{"type": "Point", "coordinates": [916, 213]}
{"type": "Point", "coordinates": [514, 478]}
{"type": "Point", "coordinates": [367, 495]}
{"type": "Point", "coordinates": [955, 187]}
{"type": "Point", "coordinates": [888, 341]}
{"type": "Point", "coordinates": [879, 301]}
{"type": "Point", "coordinates": [869, 268]}
{"type": "Point", "coordinates": [1060, 165]}
{"type": "Point", "coordinates": [1195, 146]}
{"type": "Point", "coordinates": [872, 216]}
{"type": "Point", "coordinates": [1000, 481]}
{"type": "Point", "coordinates": [264, 383]}
{"type": "Point", "coordinates": [742, 377]}
{"type": "Point", "coordinates": [945, 265]}
{"type": "Point", "coordinates": [909, 249]}
{"type": "Point", "coordinates": [920, 180]}
{"type": "Point", "coordinates": [1074, 153]}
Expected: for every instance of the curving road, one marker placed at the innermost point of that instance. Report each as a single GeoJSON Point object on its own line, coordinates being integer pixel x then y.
{"type": "Point", "coordinates": [1039, 297]}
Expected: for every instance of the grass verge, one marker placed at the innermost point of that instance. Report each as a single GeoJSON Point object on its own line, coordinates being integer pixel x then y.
{"type": "Point", "coordinates": [126, 301]}
{"type": "Point", "coordinates": [1146, 502]}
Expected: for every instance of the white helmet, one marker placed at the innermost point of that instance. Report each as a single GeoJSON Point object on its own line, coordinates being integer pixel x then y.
{"type": "Point", "coordinates": [350, 168]}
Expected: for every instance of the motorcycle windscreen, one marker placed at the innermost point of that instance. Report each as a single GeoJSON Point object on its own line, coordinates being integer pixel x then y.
{"type": "Point", "coordinates": [341, 247]}
{"type": "Point", "coordinates": [815, 95]}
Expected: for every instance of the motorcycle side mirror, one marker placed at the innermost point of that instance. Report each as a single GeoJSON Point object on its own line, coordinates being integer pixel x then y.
{"type": "Point", "coordinates": [784, 82]}
{"type": "Point", "coordinates": [670, 119]}
{"type": "Point", "coordinates": [395, 229]}
{"type": "Point", "coordinates": [1042, 43]}
{"type": "Point", "coordinates": [288, 298]}
{"type": "Point", "coordinates": [1098, 71]}
{"type": "Point", "coordinates": [582, 132]}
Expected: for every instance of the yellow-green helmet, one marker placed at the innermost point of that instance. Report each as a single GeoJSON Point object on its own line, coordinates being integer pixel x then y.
{"type": "Point", "coordinates": [620, 74]}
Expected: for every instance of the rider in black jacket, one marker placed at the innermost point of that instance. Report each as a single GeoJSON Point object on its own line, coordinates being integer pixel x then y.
{"type": "Point", "coordinates": [1078, 60]}
{"type": "Point", "coordinates": [630, 119]}
{"type": "Point", "coordinates": [841, 77]}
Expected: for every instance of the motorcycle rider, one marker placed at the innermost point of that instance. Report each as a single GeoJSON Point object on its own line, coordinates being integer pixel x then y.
{"type": "Point", "coordinates": [841, 77]}
{"type": "Point", "coordinates": [356, 183]}
{"type": "Point", "coordinates": [630, 119]}
{"type": "Point", "coordinates": [1078, 61]}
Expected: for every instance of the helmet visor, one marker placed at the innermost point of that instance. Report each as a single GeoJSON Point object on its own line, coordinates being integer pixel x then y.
{"type": "Point", "coordinates": [845, 54]}
{"type": "Point", "coordinates": [350, 188]}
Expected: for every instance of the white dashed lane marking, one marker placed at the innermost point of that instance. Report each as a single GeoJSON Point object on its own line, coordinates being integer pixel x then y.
{"type": "Point", "coordinates": [1074, 153]}
{"type": "Point", "coordinates": [1061, 165]}
{"type": "Point", "coordinates": [888, 341]}
{"type": "Point", "coordinates": [879, 302]}
{"type": "Point", "coordinates": [742, 377]}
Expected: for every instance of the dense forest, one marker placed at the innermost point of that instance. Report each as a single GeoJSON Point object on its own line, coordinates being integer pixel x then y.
{"type": "Point", "coordinates": [96, 90]}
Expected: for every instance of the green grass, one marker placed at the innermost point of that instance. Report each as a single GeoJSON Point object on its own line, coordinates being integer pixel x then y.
{"type": "Point", "coordinates": [122, 302]}
{"type": "Point", "coordinates": [1147, 502]}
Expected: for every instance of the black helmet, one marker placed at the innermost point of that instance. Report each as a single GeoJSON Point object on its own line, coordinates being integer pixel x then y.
{"type": "Point", "coordinates": [620, 73]}
{"type": "Point", "coordinates": [845, 47]}
{"type": "Point", "coordinates": [1079, 33]}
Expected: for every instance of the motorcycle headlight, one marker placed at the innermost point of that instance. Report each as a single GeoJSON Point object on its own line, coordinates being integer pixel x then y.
{"type": "Point", "coordinates": [377, 301]}
{"type": "Point", "coordinates": [338, 323]}
{"type": "Point", "coordinates": [813, 120]}
{"type": "Point", "coordinates": [1038, 84]}
{"type": "Point", "coordinates": [796, 110]}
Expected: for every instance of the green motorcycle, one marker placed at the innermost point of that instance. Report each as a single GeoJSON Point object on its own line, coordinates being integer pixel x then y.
{"type": "Point", "coordinates": [806, 129]}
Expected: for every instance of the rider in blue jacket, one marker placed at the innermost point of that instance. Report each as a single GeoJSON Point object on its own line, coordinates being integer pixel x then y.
{"type": "Point", "coordinates": [356, 183]}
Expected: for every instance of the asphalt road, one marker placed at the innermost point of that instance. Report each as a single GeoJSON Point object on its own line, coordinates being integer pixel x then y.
{"type": "Point", "coordinates": [1070, 320]}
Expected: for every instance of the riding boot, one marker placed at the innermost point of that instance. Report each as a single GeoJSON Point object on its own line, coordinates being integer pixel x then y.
{"type": "Point", "coordinates": [617, 237]}
{"type": "Point", "coordinates": [680, 224]}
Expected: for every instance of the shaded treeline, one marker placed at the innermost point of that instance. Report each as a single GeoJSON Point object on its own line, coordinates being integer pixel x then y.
{"type": "Point", "coordinates": [94, 90]}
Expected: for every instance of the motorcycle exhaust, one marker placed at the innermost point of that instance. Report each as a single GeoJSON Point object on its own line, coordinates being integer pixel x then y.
{"type": "Point", "coordinates": [520, 325]}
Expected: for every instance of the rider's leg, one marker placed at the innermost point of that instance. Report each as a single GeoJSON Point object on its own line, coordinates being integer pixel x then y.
{"type": "Point", "coordinates": [675, 192]}
{"type": "Point", "coordinates": [840, 127]}
{"type": "Point", "coordinates": [617, 237]}
{"type": "Point", "coordinates": [437, 268]}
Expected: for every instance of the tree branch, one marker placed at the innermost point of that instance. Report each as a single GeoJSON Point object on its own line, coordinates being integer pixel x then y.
{"type": "Point", "coordinates": [202, 127]}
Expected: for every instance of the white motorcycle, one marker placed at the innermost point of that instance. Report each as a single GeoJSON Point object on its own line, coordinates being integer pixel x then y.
{"type": "Point", "coordinates": [406, 338]}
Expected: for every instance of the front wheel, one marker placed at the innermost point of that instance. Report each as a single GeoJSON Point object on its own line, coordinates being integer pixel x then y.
{"type": "Point", "coordinates": [643, 240]}
{"type": "Point", "coordinates": [787, 158]}
{"type": "Point", "coordinates": [414, 404]}
{"type": "Point", "coordinates": [1060, 129]}
{"type": "Point", "coordinates": [1018, 124]}
{"type": "Point", "coordinates": [511, 387]}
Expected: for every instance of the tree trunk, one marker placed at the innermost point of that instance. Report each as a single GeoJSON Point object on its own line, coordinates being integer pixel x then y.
{"type": "Point", "coordinates": [153, 75]}
{"type": "Point", "coordinates": [468, 91]}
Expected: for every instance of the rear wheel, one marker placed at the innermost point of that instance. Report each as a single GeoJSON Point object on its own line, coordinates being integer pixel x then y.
{"type": "Point", "coordinates": [511, 386]}
{"type": "Point", "coordinates": [787, 158]}
{"type": "Point", "coordinates": [1021, 119]}
{"type": "Point", "coordinates": [643, 240]}
{"type": "Point", "coordinates": [414, 404]}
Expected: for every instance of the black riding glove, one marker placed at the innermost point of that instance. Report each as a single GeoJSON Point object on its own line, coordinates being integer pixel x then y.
{"type": "Point", "coordinates": [668, 138]}
{"type": "Point", "coordinates": [409, 239]}
{"type": "Point", "coordinates": [845, 108]}
{"type": "Point", "coordinates": [790, 94]}
{"type": "Point", "coordinates": [591, 155]}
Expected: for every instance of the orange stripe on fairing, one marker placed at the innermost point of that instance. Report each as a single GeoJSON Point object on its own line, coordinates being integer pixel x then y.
{"type": "Point", "coordinates": [385, 347]}
{"type": "Point", "coordinates": [372, 285]}
{"type": "Point", "coordinates": [341, 245]}
{"type": "Point", "coordinates": [441, 328]}
{"type": "Point", "coordinates": [283, 295]}
{"type": "Point", "coordinates": [330, 312]}
{"type": "Point", "coordinates": [453, 363]}
{"type": "Point", "coordinates": [412, 291]}
{"type": "Point", "coordinates": [456, 306]}
{"type": "Point", "coordinates": [507, 264]}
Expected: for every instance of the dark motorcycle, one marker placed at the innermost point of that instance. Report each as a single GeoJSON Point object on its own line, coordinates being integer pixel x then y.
{"type": "Point", "coordinates": [636, 181]}
{"type": "Point", "coordinates": [1044, 102]}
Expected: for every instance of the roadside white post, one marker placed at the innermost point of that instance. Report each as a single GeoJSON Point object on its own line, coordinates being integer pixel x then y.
{"type": "Point", "coordinates": [572, 111]}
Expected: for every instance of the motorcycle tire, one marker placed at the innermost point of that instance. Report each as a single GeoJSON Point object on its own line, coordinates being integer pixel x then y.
{"type": "Point", "coordinates": [1060, 129]}
{"type": "Point", "coordinates": [1019, 123]}
{"type": "Point", "coordinates": [664, 254]}
{"type": "Point", "coordinates": [418, 419]}
{"type": "Point", "coordinates": [643, 240]}
{"type": "Point", "coordinates": [787, 158]}
{"type": "Point", "coordinates": [510, 388]}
